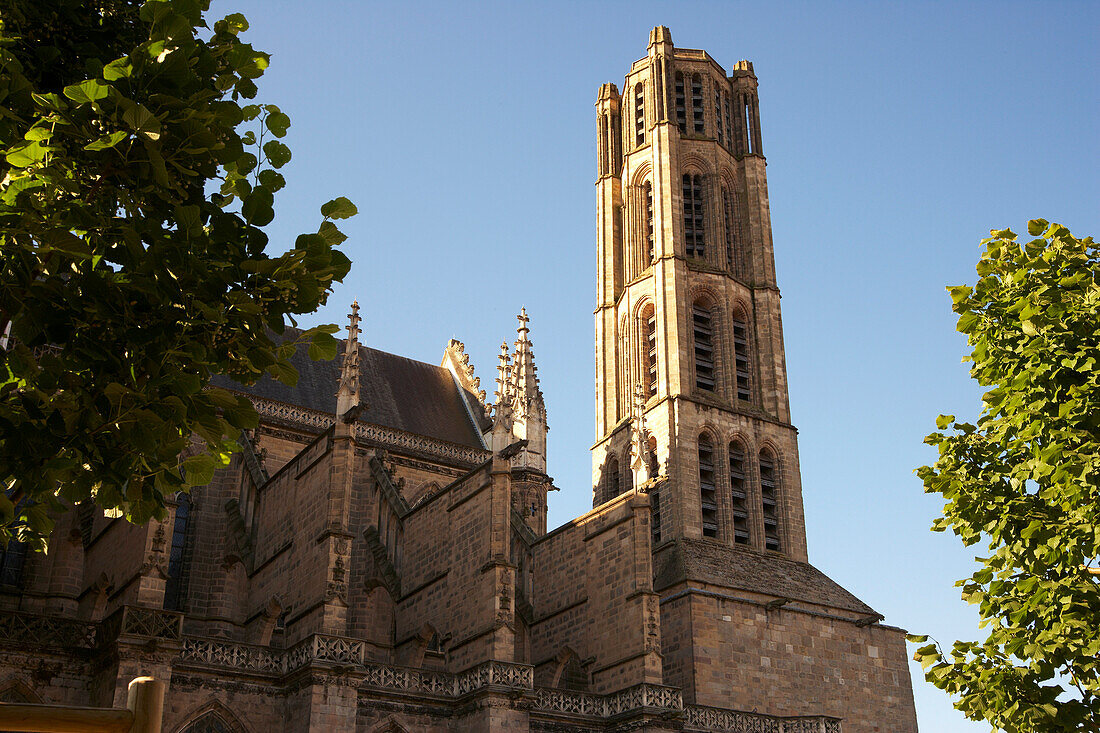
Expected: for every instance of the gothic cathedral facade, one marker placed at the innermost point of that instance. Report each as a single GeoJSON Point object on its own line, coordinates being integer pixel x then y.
{"type": "Point", "coordinates": [376, 558]}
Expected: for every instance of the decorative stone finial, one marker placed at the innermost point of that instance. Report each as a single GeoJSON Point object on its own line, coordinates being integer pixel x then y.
{"type": "Point", "coordinates": [347, 396]}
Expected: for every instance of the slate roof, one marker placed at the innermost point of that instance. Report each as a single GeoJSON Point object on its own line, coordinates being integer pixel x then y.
{"type": "Point", "coordinates": [397, 393]}
{"type": "Point", "coordinates": [748, 570]}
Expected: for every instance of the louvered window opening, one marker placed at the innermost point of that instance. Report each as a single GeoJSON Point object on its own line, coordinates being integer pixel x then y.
{"type": "Point", "coordinates": [655, 515]}
{"type": "Point", "coordinates": [741, 357]}
{"type": "Point", "coordinates": [730, 223]}
{"type": "Point", "coordinates": [650, 249]}
{"type": "Point", "coordinates": [729, 120]}
{"type": "Point", "coordinates": [749, 146]}
{"type": "Point", "coordinates": [697, 104]}
{"type": "Point", "coordinates": [768, 497]}
{"type": "Point", "coordinates": [694, 228]}
{"type": "Point", "coordinates": [681, 104]}
{"type": "Point", "coordinates": [739, 500]}
{"type": "Point", "coordinates": [707, 492]}
{"type": "Point", "coordinates": [703, 329]}
{"type": "Point", "coordinates": [718, 114]}
{"type": "Point", "coordinates": [613, 485]}
{"type": "Point", "coordinates": [178, 561]}
{"type": "Point", "coordinates": [651, 354]}
{"type": "Point", "coordinates": [639, 115]}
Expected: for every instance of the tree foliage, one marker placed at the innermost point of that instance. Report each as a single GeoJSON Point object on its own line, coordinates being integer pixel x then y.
{"type": "Point", "coordinates": [1025, 482]}
{"type": "Point", "coordinates": [137, 175]}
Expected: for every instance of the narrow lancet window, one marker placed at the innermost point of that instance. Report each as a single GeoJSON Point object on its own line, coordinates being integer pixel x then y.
{"type": "Point", "coordinates": [718, 114]}
{"type": "Point", "coordinates": [650, 248]}
{"type": "Point", "coordinates": [649, 327]}
{"type": "Point", "coordinates": [613, 485]}
{"type": "Point", "coordinates": [703, 332]}
{"type": "Point", "coordinates": [769, 494]}
{"type": "Point", "coordinates": [694, 226]}
{"type": "Point", "coordinates": [729, 120]}
{"type": "Point", "coordinates": [741, 356]}
{"type": "Point", "coordinates": [697, 104]}
{"type": "Point", "coordinates": [655, 515]}
{"type": "Point", "coordinates": [707, 493]}
{"type": "Point", "coordinates": [681, 104]}
{"type": "Point", "coordinates": [639, 115]}
{"type": "Point", "coordinates": [730, 222]}
{"type": "Point", "coordinates": [178, 559]}
{"type": "Point", "coordinates": [749, 132]}
{"type": "Point", "coordinates": [739, 499]}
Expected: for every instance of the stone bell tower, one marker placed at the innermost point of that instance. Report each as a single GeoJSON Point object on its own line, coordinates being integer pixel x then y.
{"type": "Point", "coordinates": [690, 367]}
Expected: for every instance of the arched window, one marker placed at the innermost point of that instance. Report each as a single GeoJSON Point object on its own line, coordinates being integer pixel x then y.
{"type": "Point", "coordinates": [613, 479]}
{"type": "Point", "coordinates": [741, 355]}
{"type": "Point", "coordinates": [697, 104]}
{"type": "Point", "coordinates": [209, 723]}
{"type": "Point", "coordinates": [750, 131]}
{"type": "Point", "coordinates": [651, 457]}
{"type": "Point", "coordinates": [179, 559]}
{"type": "Point", "coordinates": [650, 249]}
{"type": "Point", "coordinates": [694, 228]}
{"type": "Point", "coordinates": [769, 497]}
{"type": "Point", "coordinates": [703, 337]}
{"type": "Point", "coordinates": [729, 120]}
{"type": "Point", "coordinates": [707, 494]}
{"type": "Point", "coordinates": [639, 115]}
{"type": "Point", "coordinates": [12, 559]}
{"type": "Point", "coordinates": [739, 498]}
{"type": "Point", "coordinates": [718, 113]}
{"type": "Point", "coordinates": [730, 222]}
{"type": "Point", "coordinates": [655, 515]}
{"type": "Point", "coordinates": [681, 104]}
{"type": "Point", "coordinates": [649, 355]}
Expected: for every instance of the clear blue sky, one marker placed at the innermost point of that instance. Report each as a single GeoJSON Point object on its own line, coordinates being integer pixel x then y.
{"type": "Point", "coordinates": [897, 135]}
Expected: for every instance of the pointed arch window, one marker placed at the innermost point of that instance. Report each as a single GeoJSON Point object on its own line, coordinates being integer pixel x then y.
{"type": "Point", "coordinates": [769, 498]}
{"type": "Point", "coordinates": [694, 225]}
{"type": "Point", "coordinates": [697, 104]}
{"type": "Point", "coordinates": [639, 115]}
{"type": "Point", "coordinates": [703, 337]}
{"type": "Point", "coordinates": [655, 515]}
{"type": "Point", "coordinates": [209, 723]}
{"type": "Point", "coordinates": [718, 114]}
{"type": "Point", "coordinates": [649, 331]}
{"type": "Point", "coordinates": [707, 488]}
{"type": "Point", "coordinates": [730, 226]}
{"type": "Point", "coordinates": [614, 487]}
{"type": "Point", "coordinates": [179, 559]}
{"type": "Point", "coordinates": [739, 498]}
{"type": "Point", "coordinates": [750, 131]}
{"type": "Point", "coordinates": [681, 104]}
{"type": "Point", "coordinates": [729, 120]}
{"type": "Point", "coordinates": [741, 355]}
{"type": "Point", "coordinates": [650, 248]}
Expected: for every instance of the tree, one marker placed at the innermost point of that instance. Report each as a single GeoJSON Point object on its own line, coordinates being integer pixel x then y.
{"type": "Point", "coordinates": [136, 179]}
{"type": "Point", "coordinates": [1025, 482]}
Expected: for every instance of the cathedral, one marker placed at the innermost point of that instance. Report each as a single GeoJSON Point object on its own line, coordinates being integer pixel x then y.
{"type": "Point", "coordinates": [376, 557]}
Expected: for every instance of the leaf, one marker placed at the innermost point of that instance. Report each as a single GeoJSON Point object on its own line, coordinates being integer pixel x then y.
{"type": "Point", "coordinates": [331, 233]}
{"type": "Point", "coordinates": [141, 120]}
{"type": "Point", "coordinates": [339, 208]}
{"type": "Point", "coordinates": [25, 155]}
{"type": "Point", "coordinates": [107, 141]}
{"type": "Point", "coordinates": [258, 207]}
{"type": "Point", "coordinates": [86, 91]}
{"type": "Point", "coordinates": [278, 123]}
{"type": "Point", "coordinates": [277, 154]}
{"type": "Point", "coordinates": [118, 69]}
{"type": "Point", "coordinates": [198, 470]}
{"type": "Point", "coordinates": [323, 347]}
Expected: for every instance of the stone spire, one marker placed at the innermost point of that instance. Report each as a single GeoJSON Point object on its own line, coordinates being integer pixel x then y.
{"type": "Point", "coordinates": [347, 396]}
{"type": "Point", "coordinates": [502, 408]}
{"type": "Point", "coordinates": [527, 398]}
{"type": "Point", "coordinates": [639, 438]}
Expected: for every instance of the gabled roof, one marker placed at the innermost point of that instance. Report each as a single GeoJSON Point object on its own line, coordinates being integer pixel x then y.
{"type": "Point", "coordinates": [748, 570]}
{"type": "Point", "coordinates": [395, 392]}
